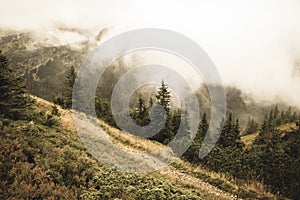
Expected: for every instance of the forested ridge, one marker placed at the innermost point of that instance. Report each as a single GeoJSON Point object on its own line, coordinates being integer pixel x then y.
{"type": "Point", "coordinates": [42, 159]}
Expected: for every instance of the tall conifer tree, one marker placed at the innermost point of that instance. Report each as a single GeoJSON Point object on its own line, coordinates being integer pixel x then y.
{"type": "Point", "coordinates": [163, 98]}
{"type": "Point", "coordinates": [14, 103]}
{"type": "Point", "coordinates": [69, 84]}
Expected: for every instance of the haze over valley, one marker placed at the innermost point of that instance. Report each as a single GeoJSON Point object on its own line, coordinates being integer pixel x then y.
{"type": "Point", "coordinates": [152, 126]}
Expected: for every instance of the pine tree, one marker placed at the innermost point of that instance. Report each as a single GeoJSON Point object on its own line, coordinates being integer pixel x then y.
{"type": "Point", "coordinates": [14, 103]}
{"type": "Point", "coordinates": [203, 128]}
{"type": "Point", "coordinates": [183, 134]}
{"type": "Point", "coordinates": [192, 154]}
{"type": "Point", "coordinates": [236, 138]}
{"type": "Point", "coordinates": [282, 117]}
{"type": "Point", "coordinates": [276, 113]}
{"type": "Point", "coordinates": [184, 128]}
{"type": "Point", "coordinates": [69, 84]}
{"type": "Point", "coordinates": [271, 116]}
{"type": "Point", "coordinates": [141, 114]}
{"type": "Point", "coordinates": [176, 119]}
{"type": "Point", "coordinates": [163, 98]}
{"type": "Point", "coordinates": [157, 125]}
{"type": "Point", "coordinates": [294, 117]}
{"type": "Point", "coordinates": [230, 135]}
{"type": "Point", "coordinates": [225, 138]}
{"type": "Point", "coordinates": [263, 132]}
{"type": "Point", "coordinates": [103, 110]}
{"type": "Point", "coordinates": [251, 127]}
{"type": "Point", "coordinates": [288, 114]}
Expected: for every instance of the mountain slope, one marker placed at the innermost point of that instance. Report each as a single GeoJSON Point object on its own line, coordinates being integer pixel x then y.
{"type": "Point", "coordinates": [44, 68]}
{"type": "Point", "coordinates": [42, 160]}
{"type": "Point", "coordinates": [249, 139]}
{"type": "Point", "coordinates": [180, 173]}
{"type": "Point", "coordinates": [43, 59]}
{"type": "Point", "coordinates": [133, 143]}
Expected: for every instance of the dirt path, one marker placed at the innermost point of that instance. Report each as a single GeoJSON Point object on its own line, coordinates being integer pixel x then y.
{"type": "Point", "coordinates": [109, 146]}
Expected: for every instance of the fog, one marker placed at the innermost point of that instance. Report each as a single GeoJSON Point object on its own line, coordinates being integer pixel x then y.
{"type": "Point", "coordinates": [254, 44]}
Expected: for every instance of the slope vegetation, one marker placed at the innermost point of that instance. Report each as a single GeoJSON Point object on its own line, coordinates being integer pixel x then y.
{"type": "Point", "coordinates": [211, 185]}
{"type": "Point", "coordinates": [249, 139]}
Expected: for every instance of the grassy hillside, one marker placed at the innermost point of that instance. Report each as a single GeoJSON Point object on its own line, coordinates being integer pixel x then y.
{"type": "Point", "coordinates": [211, 185]}
{"type": "Point", "coordinates": [45, 159]}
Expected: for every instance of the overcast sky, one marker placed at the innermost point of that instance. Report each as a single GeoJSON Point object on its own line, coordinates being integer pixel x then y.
{"type": "Point", "coordinates": [255, 44]}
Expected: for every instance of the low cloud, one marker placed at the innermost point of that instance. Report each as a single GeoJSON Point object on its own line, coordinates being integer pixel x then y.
{"type": "Point", "coordinates": [254, 44]}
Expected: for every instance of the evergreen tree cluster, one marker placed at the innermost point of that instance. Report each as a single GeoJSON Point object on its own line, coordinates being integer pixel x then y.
{"type": "Point", "coordinates": [230, 134]}
{"type": "Point", "coordinates": [141, 114]}
{"type": "Point", "coordinates": [192, 154]}
{"type": "Point", "coordinates": [39, 159]}
{"type": "Point", "coordinates": [276, 117]}
{"type": "Point", "coordinates": [65, 99]}
{"type": "Point", "coordinates": [251, 127]}
{"type": "Point", "coordinates": [163, 98]}
{"type": "Point", "coordinates": [15, 102]}
{"type": "Point", "coordinates": [273, 157]}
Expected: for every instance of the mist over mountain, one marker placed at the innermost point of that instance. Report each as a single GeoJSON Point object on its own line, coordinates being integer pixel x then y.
{"type": "Point", "coordinates": [260, 38]}
{"type": "Point", "coordinates": [67, 133]}
{"type": "Point", "coordinates": [44, 58]}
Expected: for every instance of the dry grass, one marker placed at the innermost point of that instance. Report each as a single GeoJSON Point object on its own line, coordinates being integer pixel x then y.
{"type": "Point", "coordinates": [249, 139]}
{"type": "Point", "coordinates": [66, 117]}
{"type": "Point", "coordinates": [184, 174]}
{"type": "Point", "coordinates": [117, 136]}
{"type": "Point", "coordinates": [252, 189]}
{"type": "Point", "coordinates": [42, 105]}
{"type": "Point", "coordinates": [287, 127]}
{"type": "Point", "coordinates": [128, 140]}
{"type": "Point", "coordinates": [212, 185]}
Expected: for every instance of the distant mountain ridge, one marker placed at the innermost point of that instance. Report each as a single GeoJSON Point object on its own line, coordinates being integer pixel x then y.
{"type": "Point", "coordinates": [44, 59]}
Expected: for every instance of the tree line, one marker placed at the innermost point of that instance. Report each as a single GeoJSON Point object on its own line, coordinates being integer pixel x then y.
{"type": "Point", "coordinates": [39, 159]}
{"type": "Point", "coordinates": [273, 158]}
